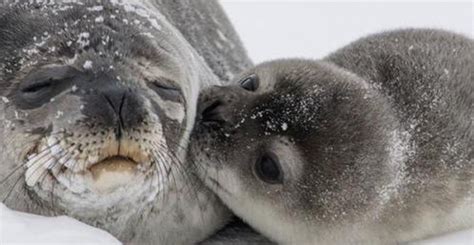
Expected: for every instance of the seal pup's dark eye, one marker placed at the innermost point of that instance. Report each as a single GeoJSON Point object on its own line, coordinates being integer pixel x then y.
{"type": "Point", "coordinates": [268, 169]}
{"type": "Point", "coordinates": [250, 83]}
{"type": "Point", "coordinates": [166, 89]}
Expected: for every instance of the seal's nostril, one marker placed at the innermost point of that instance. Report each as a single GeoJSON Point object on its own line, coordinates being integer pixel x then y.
{"type": "Point", "coordinates": [213, 113]}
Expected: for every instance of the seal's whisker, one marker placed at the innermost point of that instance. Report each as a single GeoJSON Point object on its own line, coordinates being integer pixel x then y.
{"type": "Point", "coordinates": [167, 172]}
{"type": "Point", "coordinates": [35, 173]}
{"type": "Point", "coordinates": [189, 183]}
{"type": "Point", "coordinates": [11, 173]}
{"type": "Point", "coordinates": [170, 172]}
{"type": "Point", "coordinates": [188, 160]}
{"type": "Point", "coordinates": [46, 162]}
{"type": "Point", "coordinates": [44, 153]}
{"type": "Point", "coordinates": [162, 172]}
{"type": "Point", "coordinates": [11, 189]}
{"type": "Point", "coordinates": [53, 168]}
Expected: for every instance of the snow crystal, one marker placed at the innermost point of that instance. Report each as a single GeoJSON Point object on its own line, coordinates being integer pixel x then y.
{"type": "Point", "coordinates": [59, 114]}
{"type": "Point", "coordinates": [99, 19]}
{"type": "Point", "coordinates": [4, 99]}
{"type": "Point", "coordinates": [284, 126]}
{"type": "Point", "coordinates": [87, 65]}
{"type": "Point", "coordinates": [96, 8]}
{"type": "Point", "coordinates": [83, 39]}
{"type": "Point", "coordinates": [222, 36]}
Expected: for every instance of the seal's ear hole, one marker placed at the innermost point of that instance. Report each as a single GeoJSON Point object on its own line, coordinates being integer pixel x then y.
{"type": "Point", "coordinates": [250, 83]}
{"type": "Point", "coordinates": [268, 169]}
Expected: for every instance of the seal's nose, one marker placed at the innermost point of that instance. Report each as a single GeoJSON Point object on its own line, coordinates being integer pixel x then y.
{"type": "Point", "coordinates": [115, 107]}
{"type": "Point", "coordinates": [128, 111]}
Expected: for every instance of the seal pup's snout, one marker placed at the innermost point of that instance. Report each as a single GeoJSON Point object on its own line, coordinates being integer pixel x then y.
{"type": "Point", "coordinates": [211, 112]}
{"type": "Point", "coordinates": [217, 105]}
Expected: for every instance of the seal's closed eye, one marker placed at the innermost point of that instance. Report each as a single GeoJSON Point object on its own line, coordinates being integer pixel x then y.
{"type": "Point", "coordinates": [43, 84]}
{"type": "Point", "coordinates": [166, 89]}
{"type": "Point", "coordinates": [36, 87]}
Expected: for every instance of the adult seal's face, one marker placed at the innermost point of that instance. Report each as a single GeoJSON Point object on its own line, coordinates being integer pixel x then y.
{"type": "Point", "coordinates": [96, 103]}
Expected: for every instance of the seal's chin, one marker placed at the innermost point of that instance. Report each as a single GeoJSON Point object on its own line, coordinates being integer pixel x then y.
{"type": "Point", "coordinates": [112, 173]}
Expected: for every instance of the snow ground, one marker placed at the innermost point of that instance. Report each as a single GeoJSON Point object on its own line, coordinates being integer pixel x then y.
{"type": "Point", "coordinates": [17, 228]}
{"type": "Point", "coordinates": [274, 29]}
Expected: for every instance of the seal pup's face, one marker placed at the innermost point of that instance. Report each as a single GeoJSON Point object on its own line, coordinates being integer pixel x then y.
{"type": "Point", "coordinates": [97, 102]}
{"type": "Point", "coordinates": [295, 148]}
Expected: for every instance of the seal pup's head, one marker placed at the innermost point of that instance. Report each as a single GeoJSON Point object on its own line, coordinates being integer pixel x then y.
{"type": "Point", "coordinates": [97, 101]}
{"type": "Point", "coordinates": [296, 148]}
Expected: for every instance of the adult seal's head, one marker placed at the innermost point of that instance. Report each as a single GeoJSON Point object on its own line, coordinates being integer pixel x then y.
{"type": "Point", "coordinates": [97, 101]}
{"type": "Point", "coordinates": [372, 145]}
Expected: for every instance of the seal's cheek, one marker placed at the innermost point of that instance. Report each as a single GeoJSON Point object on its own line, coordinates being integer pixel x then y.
{"type": "Point", "coordinates": [172, 116]}
{"type": "Point", "coordinates": [62, 113]}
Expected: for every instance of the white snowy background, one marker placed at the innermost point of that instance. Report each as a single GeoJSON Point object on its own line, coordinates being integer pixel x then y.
{"type": "Point", "coordinates": [311, 29]}
{"type": "Point", "coordinates": [269, 30]}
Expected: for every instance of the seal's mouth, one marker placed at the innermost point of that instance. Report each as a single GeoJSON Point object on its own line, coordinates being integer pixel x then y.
{"type": "Point", "coordinates": [111, 164]}
{"type": "Point", "coordinates": [113, 172]}
{"type": "Point", "coordinates": [102, 168]}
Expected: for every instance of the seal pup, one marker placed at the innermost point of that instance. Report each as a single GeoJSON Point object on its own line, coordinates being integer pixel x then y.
{"type": "Point", "coordinates": [97, 100]}
{"type": "Point", "coordinates": [370, 145]}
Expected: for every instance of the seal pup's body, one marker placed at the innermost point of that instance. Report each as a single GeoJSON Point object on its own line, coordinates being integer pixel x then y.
{"type": "Point", "coordinates": [371, 145]}
{"type": "Point", "coordinates": [97, 100]}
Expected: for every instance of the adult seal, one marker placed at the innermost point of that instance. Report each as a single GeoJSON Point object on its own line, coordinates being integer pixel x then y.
{"type": "Point", "coordinates": [97, 102]}
{"type": "Point", "coordinates": [370, 145]}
